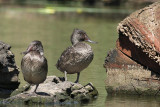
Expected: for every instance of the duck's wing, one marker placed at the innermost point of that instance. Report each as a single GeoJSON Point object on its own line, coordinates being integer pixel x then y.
{"type": "Point", "coordinates": [67, 58]}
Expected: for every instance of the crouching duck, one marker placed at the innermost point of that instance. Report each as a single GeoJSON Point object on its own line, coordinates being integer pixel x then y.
{"type": "Point", "coordinates": [34, 65]}
{"type": "Point", "coordinates": [76, 57]}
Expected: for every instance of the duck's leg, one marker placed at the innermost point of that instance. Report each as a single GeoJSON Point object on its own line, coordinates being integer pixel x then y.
{"type": "Point", "coordinates": [36, 88]}
{"type": "Point", "coordinates": [65, 73]}
{"type": "Point", "coordinates": [78, 74]}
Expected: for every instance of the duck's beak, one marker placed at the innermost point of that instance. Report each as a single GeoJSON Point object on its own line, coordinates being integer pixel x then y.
{"type": "Point", "coordinates": [28, 50]}
{"type": "Point", "coordinates": [89, 40]}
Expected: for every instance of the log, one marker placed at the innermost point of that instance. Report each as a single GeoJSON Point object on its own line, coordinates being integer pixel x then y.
{"type": "Point", "coordinates": [142, 30]}
{"type": "Point", "coordinates": [134, 66]}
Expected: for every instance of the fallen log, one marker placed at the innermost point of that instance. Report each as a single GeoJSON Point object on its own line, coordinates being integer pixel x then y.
{"type": "Point", "coordinates": [134, 66]}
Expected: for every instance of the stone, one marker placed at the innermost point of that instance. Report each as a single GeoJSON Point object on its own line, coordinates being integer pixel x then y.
{"type": "Point", "coordinates": [9, 80]}
{"type": "Point", "coordinates": [53, 92]}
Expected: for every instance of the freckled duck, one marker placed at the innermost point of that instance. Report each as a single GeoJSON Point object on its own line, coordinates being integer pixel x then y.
{"type": "Point", "coordinates": [76, 57]}
{"type": "Point", "coordinates": [34, 65]}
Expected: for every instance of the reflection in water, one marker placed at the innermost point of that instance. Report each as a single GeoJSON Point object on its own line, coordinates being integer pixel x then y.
{"type": "Point", "coordinates": [132, 101]}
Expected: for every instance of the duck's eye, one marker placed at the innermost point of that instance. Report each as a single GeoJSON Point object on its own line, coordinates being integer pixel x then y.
{"type": "Point", "coordinates": [82, 37]}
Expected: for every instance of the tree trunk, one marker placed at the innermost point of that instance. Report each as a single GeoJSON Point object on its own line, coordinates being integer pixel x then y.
{"type": "Point", "coordinates": [136, 64]}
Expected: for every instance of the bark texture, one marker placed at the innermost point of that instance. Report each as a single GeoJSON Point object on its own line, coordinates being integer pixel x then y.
{"type": "Point", "coordinates": [135, 63]}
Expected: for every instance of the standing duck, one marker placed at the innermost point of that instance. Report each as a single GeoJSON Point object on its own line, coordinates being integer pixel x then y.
{"type": "Point", "coordinates": [34, 65]}
{"type": "Point", "coordinates": [76, 57]}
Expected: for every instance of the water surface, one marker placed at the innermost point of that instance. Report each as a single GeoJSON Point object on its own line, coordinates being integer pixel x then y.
{"type": "Point", "coordinates": [20, 28]}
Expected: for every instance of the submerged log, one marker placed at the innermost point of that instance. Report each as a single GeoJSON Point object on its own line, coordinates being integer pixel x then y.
{"type": "Point", "coordinates": [54, 91]}
{"type": "Point", "coordinates": [125, 76]}
{"type": "Point", "coordinates": [135, 63]}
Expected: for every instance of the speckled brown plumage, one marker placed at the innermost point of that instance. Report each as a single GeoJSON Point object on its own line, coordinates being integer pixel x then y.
{"type": "Point", "coordinates": [78, 56]}
{"type": "Point", "coordinates": [34, 64]}
{"type": "Point", "coordinates": [75, 58]}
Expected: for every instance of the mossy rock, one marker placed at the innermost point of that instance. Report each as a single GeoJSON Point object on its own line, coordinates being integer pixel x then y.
{"type": "Point", "coordinates": [50, 92]}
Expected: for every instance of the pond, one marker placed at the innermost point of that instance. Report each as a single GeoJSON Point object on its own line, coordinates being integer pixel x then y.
{"type": "Point", "coordinates": [19, 28]}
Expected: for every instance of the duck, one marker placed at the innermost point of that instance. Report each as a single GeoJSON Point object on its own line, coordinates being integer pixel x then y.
{"type": "Point", "coordinates": [78, 56]}
{"type": "Point", "coordinates": [34, 64]}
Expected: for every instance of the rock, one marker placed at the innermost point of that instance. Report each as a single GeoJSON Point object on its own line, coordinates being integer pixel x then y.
{"type": "Point", "coordinates": [51, 91]}
{"type": "Point", "coordinates": [134, 66]}
{"type": "Point", "coordinates": [9, 80]}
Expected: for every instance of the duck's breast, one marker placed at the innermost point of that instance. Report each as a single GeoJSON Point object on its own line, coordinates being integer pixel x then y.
{"type": "Point", "coordinates": [34, 68]}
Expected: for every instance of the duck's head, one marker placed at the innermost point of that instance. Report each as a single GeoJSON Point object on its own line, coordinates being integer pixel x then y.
{"type": "Point", "coordinates": [80, 36]}
{"type": "Point", "coordinates": [35, 46]}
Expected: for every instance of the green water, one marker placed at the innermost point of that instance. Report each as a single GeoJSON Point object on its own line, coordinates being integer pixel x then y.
{"type": "Point", "coordinates": [20, 28]}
